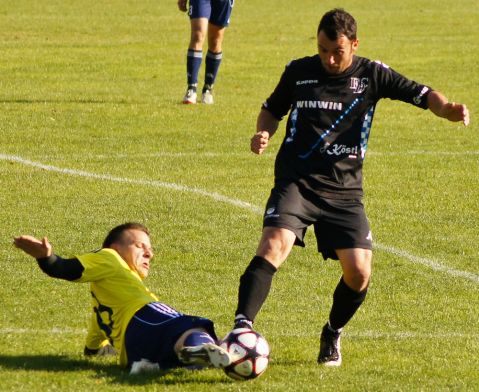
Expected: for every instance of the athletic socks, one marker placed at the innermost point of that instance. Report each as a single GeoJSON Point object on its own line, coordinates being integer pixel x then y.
{"type": "Point", "coordinates": [346, 302]}
{"type": "Point", "coordinates": [212, 64]}
{"type": "Point", "coordinates": [255, 284]}
{"type": "Point", "coordinates": [193, 64]}
{"type": "Point", "coordinates": [198, 338]}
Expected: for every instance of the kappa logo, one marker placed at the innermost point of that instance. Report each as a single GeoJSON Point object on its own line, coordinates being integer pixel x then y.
{"type": "Point", "coordinates": [309, 81]}
{"type": "Point", "coordinates": [359, 85]}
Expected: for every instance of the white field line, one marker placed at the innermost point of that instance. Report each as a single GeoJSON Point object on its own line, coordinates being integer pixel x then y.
{"type": "Point", "coordinates": [208, 154]}
{"type": "Point", "coordinates": [434, 265]}
{"type": "Point", "coordinates": [156, 184]}
{"type": "Point", "coordinates": [400, 335]}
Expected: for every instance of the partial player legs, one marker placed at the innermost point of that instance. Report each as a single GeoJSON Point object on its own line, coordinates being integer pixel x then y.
{"type": "Point", "coordinates": [200, 28]}
{"type": "Point", "coordinates": [347, 298]}
{"type": "Point", "coordinates": [275, 245]}
{"type": "Point", "coordinates": [197, 347]}
{"type": "Point", "coordinates": [194, 57]}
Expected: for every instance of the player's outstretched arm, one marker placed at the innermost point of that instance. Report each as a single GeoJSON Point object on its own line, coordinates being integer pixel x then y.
{"type": "Point", "coordinates": [266, 126]}
{"type": "Point", "coordinates": [452, 111]}
{"type": "Point", "coordinates": [35, 247]}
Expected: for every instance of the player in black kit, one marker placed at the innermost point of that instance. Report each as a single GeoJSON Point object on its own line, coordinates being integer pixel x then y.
{"type": "Point", "coordinates": [331, 99]}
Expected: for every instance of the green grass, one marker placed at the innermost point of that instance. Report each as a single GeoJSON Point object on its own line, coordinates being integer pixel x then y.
{"type": "Point", "coordinates": [94, 87]}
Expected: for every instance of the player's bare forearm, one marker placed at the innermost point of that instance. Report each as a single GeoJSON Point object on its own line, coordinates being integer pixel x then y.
{"type": "Point", "coordinates": [266, 126]}
{"type": "Point", "coordinates": [452, 111]}
{"type": "Point", "coordinates": [35, 247]}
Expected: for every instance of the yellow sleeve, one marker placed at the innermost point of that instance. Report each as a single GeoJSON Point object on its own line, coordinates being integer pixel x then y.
{"type": "Point", "coordinates": [95, 338]}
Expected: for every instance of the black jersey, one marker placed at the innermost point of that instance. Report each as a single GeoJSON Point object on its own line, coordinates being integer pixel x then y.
{"type": "Point", "coordinates": [330, 119]}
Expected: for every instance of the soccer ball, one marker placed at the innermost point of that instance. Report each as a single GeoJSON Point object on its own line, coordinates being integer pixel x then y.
{"type": "Point", "coordinates": [249, 353]}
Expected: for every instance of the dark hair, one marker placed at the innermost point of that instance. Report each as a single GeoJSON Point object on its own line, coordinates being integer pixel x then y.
{"type": "Point", "coordinates": [337, 22]}
{"type": "Point", "coordinates": [115, 235]}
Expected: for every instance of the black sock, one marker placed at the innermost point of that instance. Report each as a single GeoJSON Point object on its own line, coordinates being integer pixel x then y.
{"type": "Point", "coordinates": [254, 287]}
{"type": "Point", "coordinates": [346, 302]}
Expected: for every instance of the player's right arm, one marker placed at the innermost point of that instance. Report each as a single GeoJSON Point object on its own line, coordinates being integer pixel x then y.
{"type": "Point", "coordinates": [51, 264]}
{"type": "Point", "coordinates": [182, 5]}
{"type": "Point", "coordinates": [272, 112]}
{"type": "Point", "coordinates": [97, 343]}
{"type": "Point", "coordinates": [266, 126]}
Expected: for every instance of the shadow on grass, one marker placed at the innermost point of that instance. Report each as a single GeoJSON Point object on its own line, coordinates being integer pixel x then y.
{"type": "Point", "coordinates": [110, 371]}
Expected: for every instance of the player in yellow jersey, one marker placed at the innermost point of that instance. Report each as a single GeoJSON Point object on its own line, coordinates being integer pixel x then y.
{"type": "Point", "coordinates": [127, 317]}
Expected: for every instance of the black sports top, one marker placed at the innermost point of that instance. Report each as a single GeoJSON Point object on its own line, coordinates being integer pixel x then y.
{"type": "Point", "coordinates": [329, 121]}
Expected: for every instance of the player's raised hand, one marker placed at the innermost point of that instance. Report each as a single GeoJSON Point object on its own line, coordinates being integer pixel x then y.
{"type": "Point", "coordinates": [33, 246]}
{"type": "Point", "coordinates": [259, 142]}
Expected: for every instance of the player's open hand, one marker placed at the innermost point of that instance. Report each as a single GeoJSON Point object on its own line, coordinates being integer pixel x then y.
{"type": "Point", "coordinates": [33, 246]}
{"type": "Point", "coordinates": [458, 112]}
{"type": "Point", "coordinates": [259, 142]}
{"type": "Point", "coordinates": [182, 5]}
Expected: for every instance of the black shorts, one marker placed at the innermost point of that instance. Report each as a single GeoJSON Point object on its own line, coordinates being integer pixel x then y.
{"type": "Point", "coordinates": [338, 224]}
{"type": "Point", "coordinates": [153, 331]}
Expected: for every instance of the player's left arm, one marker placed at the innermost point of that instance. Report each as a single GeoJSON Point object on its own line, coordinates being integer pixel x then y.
{"type": "Point", "coordinates": [452, 111]}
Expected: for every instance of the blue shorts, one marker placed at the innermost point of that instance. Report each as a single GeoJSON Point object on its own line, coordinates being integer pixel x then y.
{"type": "Point", "coordinates": [218, 12]}
{"type": "Point", "coordinates": [154, 330]}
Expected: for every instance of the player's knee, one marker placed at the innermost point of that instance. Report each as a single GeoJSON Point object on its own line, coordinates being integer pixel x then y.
{"type": "Point", "coordinates": [275, 245]}
{"type": "Point", "coordinates": [358, 279]}
{"type": "Point", "coordinates": [197, 39]}
{"type": "Point", "coordinates": [273, 251]}
{"type": "Point", "coordinates": [215, 45]}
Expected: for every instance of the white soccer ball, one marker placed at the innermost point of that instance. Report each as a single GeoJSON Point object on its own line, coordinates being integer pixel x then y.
{"type": "Point", "coordinates": [249, 353]}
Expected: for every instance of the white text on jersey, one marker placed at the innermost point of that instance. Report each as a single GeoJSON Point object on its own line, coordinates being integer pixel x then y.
{"type": "Point", "coordinates": [319, 105]}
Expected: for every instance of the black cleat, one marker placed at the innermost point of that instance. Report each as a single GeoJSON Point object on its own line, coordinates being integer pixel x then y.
{"type": "Point", "coordinates": [330, 347]}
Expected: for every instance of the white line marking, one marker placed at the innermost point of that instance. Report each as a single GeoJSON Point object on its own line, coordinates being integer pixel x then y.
{"type": "Point", "coordinates": [357, 335]}
{"type": "Point", "coordinates": [209, 154]}
{"type": "Point", "coordinates": [436, 266]}
{"type": "Point", "coordinates": [53, 331]}
{"type": "Point", "coordinates": [157, 184]}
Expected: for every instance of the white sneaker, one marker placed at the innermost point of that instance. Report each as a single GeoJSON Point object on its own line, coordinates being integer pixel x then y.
{"type": "Point", "coordinates": [144, 366]}
{"type": "Point", "coordinates": [207, 97]}
{"type": "Point", "coordinates": [190, 96]}
{"type": "Point", "coordinates": [208, 354]}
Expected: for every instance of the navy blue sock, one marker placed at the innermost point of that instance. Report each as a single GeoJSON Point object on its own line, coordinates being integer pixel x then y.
{"type": "Point", "coordinates": [212, 64]}
{"type": "Point", "coordinates": [346, 302]}
{"type": "Point", "coordinates": [193, 64]}
{"type": "Point", "coordinates": [198, 338]}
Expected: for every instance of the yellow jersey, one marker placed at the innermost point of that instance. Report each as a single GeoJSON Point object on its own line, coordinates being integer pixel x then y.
{"type": "Point", "coordinates": [117, 294]}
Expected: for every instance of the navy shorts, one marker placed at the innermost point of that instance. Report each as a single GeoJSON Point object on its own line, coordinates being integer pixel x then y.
{"type": "Point", "coordinates": [338, 224]}
{"type": "Point", "coordinates": [218, 12]}
{"type": "Point", "coordinates": [153, 331]}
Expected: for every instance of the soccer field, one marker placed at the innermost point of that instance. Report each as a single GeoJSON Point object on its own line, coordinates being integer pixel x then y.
{"type": "Point", "coordinates": [93, 134]}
